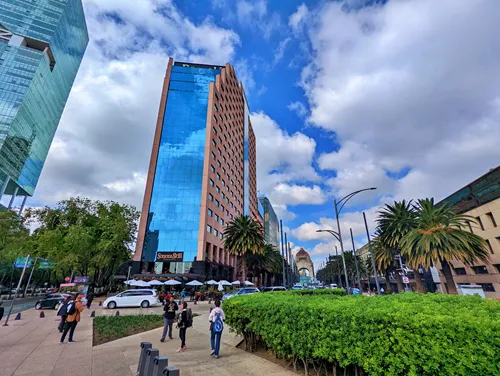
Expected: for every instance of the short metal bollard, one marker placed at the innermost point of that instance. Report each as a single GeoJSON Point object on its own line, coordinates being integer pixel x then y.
{"type": "Point", "coordinates": [150, 355]}
{"type": "Point", "coordinates": [18, 316]}
{"type": "Point", "coordinates": [42, 315]}
{"type": "Point", "coordinates": [100, 304]}
{"type": "Point", "coordinates": [160, 362]}
{"type": "Point", "coordinates": [171, 371]}
{"type": "Point", "coordinates": [117, 313]}
{"type": "Point", "coordinates": [142, 359]}
{"type": "Point", "coordinates": [92, 314]}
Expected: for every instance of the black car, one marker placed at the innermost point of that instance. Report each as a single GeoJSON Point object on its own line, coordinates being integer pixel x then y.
{"type": "Point", "coordinates": [51, 301]}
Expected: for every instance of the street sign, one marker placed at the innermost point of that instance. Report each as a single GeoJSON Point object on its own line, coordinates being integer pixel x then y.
{"type": "Point", "coordinates": [46, 264]}
{"type": "Point", "coordinates": [20, 261]}
{"type": "Point", "coordinates": [406, 280]}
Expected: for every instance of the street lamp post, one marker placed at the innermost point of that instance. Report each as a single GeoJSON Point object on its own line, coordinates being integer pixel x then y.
{"type": "Point", "coordinates": [338, 208]}
{"type": "Point", "coordinates": [355, 261]}
{"type": "Point", "coordinates": [336, 236]}
{"type": "Point", "coordinates": [338, 266]}
{"type": "Point", "coordinates": [372, 256]}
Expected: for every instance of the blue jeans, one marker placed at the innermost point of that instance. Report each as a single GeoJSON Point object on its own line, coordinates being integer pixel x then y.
{"type": "Point", "coordinates": [215, 342]}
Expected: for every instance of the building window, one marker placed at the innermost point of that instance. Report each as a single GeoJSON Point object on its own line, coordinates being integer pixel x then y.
{"type": "Point", "coordinates": [492, 219]}
{"type": "Point", "coordinates": [218, 176]}
{"type": "Point", "coordinates": [478, 220]}
{"type": "Point", "coordinates": [217, 189]}
{"type": "Point", "coordinates": [231, 216]}
{"type": "Point", "coordinates": [216, 217]}
{"type": "Point", "coordinates": [223, 195]}
{"type": "Point", "coordinates": [214, 130]}
{"type": "Point", "coordinates": [487, 287]}
{"type": "Point", "coordinates": [209, 212]}
{"type": "Point", "coordinates": [216, 232]}
{"type": "Point", "coordinates": [220, 236]}
{"type": "Point", "coordinates": [223, 182]}
{"type": "Point", "coordinates": [460, 271]}
{"type": "Point", "coordinates": [209, 228]}
{"type": "Point", "coordinates": [215, 108]}
{"type": "Point", "coordinates": [210, 197]}
{"type": "Point", "coordinates": [215, 118]}
{"type": "Point", "coordinates": [212, 168]}
{"type": "Point", "coordinates": [221, 222]}
{"type": "Point", "coordinates": [227, 212]}
{"type": "Point", "coordinates": [220, 140]}
{"type": "Point", "coordinates": [213, 143]}
{"type": "Point", "coordinates": [213, 155]}
{"type": "Point", "coordinates": [218, 163]}
{"type": "Point", "coordinates": [222, 208]}
{"type": "Point", "coordinates": [219, 151]}
{"type": "Point", "coordinates": [217, 203]}
{"type": "Point", "coordinates": [480, 269]}
{"type": "Point", "coordinates": [211, 183]}
{"type": "Point", "coordinates": [489, 246]}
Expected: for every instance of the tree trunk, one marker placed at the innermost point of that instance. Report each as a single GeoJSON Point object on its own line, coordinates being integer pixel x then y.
{"type": "Point", "coordinates": [450, 282]}
{"type": "Point", "coordinates": [388, 287]}
{"type": "Point", "coordinates": [243, 269]}
{"type": "Point", "coordinates": [399, 281]}
{"type": "Point", "coordinates": [418, 281]}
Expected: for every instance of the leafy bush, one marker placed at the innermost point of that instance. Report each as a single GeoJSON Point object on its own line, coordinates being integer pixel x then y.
{"type": "Point", "coordinates": [404, 334]}
{"type": "Point", "coordinates": [110, 328]}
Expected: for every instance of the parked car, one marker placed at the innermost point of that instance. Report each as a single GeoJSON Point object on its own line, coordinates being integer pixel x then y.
{"type": "Point", "coordinates": [132, 298]}
{"type": "Point", "coordinates": [274, 288]}
{"type": "Point", "coordinates": [52, 301]}
{"type": "Point", "coordinates": [242, 291]}
{"type": "Point", "coordinates": [298, 287]}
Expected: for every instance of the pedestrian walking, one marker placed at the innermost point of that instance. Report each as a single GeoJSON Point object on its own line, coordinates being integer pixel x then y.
{"type": "Point", "coordinates": [90, 298]}
{"type": "Point", "coordinates": [73, 311]}
{"type": "Point", "coordinates": [169, 318]}
{"type": "Point", "coordinates": [62, 312]}
{"type": "Point", "coordinates": [185, 321]}
{"type": "Point", "coordinates": [216, 320]}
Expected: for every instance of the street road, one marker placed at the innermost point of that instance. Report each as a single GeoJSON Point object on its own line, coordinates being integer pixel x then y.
{"type": "Point", "coordinates": [19, 305]}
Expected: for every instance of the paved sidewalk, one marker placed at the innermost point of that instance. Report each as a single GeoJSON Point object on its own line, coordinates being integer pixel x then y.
{"type": "Point", "coordinates": [31, 347]}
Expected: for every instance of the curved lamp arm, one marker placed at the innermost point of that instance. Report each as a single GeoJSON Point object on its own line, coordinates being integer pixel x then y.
{"type": "Point", "coordinates": [348, 197]}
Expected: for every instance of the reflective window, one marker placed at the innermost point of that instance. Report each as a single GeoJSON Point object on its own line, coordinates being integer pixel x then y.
{"type": "Point", "coordinates": [210, 197]}
{"type": "Point", "coordinates": [220, 235]}
{"type": "Point", "coordinates": [209, 228]}
{"type": "Point", "coordinates": [174, 213]}
{"type": "Point", "coordinates": [211, 182]}
{"type": "Point", "coordinates": [209, 212]}
{"type": "Point", "coordinates": [216, 232]}
{"type": "Point", "coordinates": [216, 217]}
{"type": "Point", "coordinates": [217, 203]}
{"type": "Point", "coordinates": [212, 168]}
{"type": "Point", "coordinates": [213, 155]}
{"type": "Point", "coordinates": [217, 189]}
{"type": "Point", "coordinates": [218, 176]}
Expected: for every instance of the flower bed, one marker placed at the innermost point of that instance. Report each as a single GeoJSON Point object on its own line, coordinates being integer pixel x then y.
{"type": "Point", "coordinates": [405, 334]}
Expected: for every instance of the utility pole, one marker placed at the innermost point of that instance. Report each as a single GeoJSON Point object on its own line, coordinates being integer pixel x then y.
{"type": "Point", "coordinates": [372, 256]}
{"type": "Point", "coordinates": [356, 261]}
{"type": "Point", "coordinates": [31, 275]}
{"type": "Point", "coordinates": [283, 254]}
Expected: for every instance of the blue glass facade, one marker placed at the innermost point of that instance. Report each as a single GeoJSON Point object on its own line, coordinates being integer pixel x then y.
{"type": "Point", "coordinates": [271, 223]}
{"type": "Point", "coordinates": [174, 212]}
{"type": "Point", "coordinates": [42, 44]}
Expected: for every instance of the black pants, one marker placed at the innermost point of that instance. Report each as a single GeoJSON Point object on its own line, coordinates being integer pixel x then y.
{"type": "Point", "coordinates": [61, 324]}
{"type": "Point", "coordinates": [71, 327]}
{"type": "Point", "coordinates": [182, 335]}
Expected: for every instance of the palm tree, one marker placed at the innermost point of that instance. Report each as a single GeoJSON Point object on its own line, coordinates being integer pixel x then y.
{"type": "Point", "coordinates": [266, 263]}
{"type": "Point", "coordinates": [439, 237]}
{"type": "Point", "coordinates": [243, 236]}
{"type": "Point", "coordinates": [394, 222]}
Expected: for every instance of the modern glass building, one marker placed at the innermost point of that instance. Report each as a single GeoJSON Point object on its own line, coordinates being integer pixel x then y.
{"type": "Point", "coordinates": [42, 44]}
{"type": "Point", "coordinates": [201, 174]}
{"type": "Point", "coordinates": [271, 223]}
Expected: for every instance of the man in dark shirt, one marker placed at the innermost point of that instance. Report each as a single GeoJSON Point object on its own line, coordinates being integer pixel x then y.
{"type": "Point", "coordinates": [169, 318]}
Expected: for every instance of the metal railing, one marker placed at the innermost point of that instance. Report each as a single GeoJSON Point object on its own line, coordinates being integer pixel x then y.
{"type": "Point", "coordinates": [152, 364]}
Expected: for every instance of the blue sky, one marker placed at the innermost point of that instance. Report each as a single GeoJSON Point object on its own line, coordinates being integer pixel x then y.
{"type": "Point", "coordinates": [401, 95]}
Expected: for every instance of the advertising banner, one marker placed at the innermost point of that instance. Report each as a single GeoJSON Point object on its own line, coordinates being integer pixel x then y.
{"type": "Point", "coordinates": [169, 256]}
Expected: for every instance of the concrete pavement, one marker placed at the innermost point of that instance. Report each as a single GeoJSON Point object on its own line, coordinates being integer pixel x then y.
{"type": "Point", "coordinates": [31, 347]}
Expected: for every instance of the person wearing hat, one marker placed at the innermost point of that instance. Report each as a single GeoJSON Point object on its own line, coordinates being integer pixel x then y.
{"type": "Point", "coordinates": [73, 311]}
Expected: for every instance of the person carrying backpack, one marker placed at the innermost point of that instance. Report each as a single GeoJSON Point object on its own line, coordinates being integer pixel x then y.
{"type": "Point", "coordinates": [216, 320]}
{"type": "Point", "coordinates": [73, 310]}
{"type": "Point", "coordinates": [62, 312]}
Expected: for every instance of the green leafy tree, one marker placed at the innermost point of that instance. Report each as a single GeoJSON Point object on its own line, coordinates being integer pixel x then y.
{"type": "Point", "coordinates": [266, 264]}
{"type": "Point", "coordinates": [243, 236]}
{"type": "Point", "coordinates": [439, 236]}
{"type": "Point", "coordinates": [331, 271]}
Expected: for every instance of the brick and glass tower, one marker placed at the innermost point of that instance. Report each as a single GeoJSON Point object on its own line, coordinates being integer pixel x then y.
{"type": "Point", "coordinates": [202, 174]}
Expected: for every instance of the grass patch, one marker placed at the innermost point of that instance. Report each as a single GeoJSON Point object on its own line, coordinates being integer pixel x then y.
{"type": "Point", "coordinates": [110, 328]}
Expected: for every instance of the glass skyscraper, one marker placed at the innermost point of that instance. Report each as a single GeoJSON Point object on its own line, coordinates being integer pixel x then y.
{"type": "Point", "coordinates": [201, 174]}
{"type": "Point", "coordinates": [42, 44]}
{"type": "Point", "coordinates": [271, 223]}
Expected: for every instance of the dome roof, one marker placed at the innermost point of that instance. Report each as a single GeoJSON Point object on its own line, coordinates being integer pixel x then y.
{"type": "Point", "coordinates": [303, 253]}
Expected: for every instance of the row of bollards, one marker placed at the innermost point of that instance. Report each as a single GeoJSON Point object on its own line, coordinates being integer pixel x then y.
{"type": "Point", "coordinates": [152, 364]}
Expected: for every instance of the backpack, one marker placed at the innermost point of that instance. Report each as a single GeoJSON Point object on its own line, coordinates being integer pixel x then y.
{"type": "Point", "coordinates": [189, 315]}
{"type": "Point", "coordinates": [71, 308]}
{"type": "Point", "coordinates": [217, 326]}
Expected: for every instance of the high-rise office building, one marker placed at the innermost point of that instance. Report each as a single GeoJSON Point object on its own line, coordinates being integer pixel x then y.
{"type": "Point", "coordinates": [202, 173]}
{"type": "Point", "coordinates": [271, 223]}
{"type": "Point", "coordinates": [41, 46]}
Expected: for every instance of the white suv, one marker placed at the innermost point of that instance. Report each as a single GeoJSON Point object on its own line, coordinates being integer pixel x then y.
{"type": "Point", "coordinates": [132, 298]}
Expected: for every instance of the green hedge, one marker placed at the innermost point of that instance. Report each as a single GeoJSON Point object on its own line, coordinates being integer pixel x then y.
{"type": "Point", "coordinates": [110, 328]}
{"type": "Point", "coordinates": [404, 334]}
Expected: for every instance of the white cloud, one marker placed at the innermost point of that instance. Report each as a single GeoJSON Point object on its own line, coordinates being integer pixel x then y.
{"type": "Point", "coordinates": [280, 51]}
{"type": "Point", "coordinates": [298, 194]}
{"type": "Point", "coordinates": [296, 20]}
{"type": "Point", "coordinates": [298, 108]}
{"type": "Point", "coordinates": [244, 73]}
{"type": "Point", "coordinates": [103, 143]}
{"type": "Point", "coordinates": [419, 92]}
{"type": "Point", "coordinates": [254, 15]}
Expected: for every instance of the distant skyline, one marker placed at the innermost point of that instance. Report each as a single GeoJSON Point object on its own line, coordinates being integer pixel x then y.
{"type": "Point", "coordinates": [344, 95]}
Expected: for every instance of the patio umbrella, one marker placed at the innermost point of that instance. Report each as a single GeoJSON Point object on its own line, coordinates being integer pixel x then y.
{"type": "Point", "coordinates": [128, 282]}
{"type": "Point", "coordinates": [139, 283]}
{"type": "Point", "coordinates": [248, 283]}
{"type": "Point", "coordinates": [211, 282]}
{"type": "Point", "coordinates": [225, 283]}
{"type": "Point", "coordinates": [236, 283]}
{"type": "Point", "coordinates": [194, 283]}
{"type": "Point", "coordinates": [172, 282]}
{"type": "Point", "coordinates": [155, 282]}
{"type": "Point", "coordinates": [220, 288]}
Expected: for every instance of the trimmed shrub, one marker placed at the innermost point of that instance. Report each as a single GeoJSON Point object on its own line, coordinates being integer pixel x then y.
{"type": "Point", "coordinates": [110, 328]}
{"type": "Point", "coordinates": [337, 292]}
{"type": "Point", "coordinates": [404, 334]}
